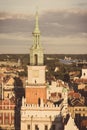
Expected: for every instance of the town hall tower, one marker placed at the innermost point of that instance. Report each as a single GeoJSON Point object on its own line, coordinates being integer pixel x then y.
{"type": "Point", "coordinates": [36, 88]}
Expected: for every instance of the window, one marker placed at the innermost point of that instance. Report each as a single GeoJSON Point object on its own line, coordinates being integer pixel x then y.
{"type": "Point", "coordinates": [39, 101]}
{"type": "Point", "coordinates": [12, 121]}
{"type": "Point", "coordinates": [28, 127]}
{"type": "Point", "coordinates": [12, 114]}
{"type": "Point", "coordinates": [36, 59]}
{"type": "Point", "coordinates": [0, 121]}
{"type": "Point", "coordinates": [36, 127]}
{"type": "Point", "coordinates": [84, 74]}
{"type": "Point", "coordinates": [0, 114]}
{"type": "Point", "coordinates": [46, 127]}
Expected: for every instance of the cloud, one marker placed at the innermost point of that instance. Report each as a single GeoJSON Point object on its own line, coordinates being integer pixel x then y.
{"type": "Point", "coordinates": [6, 15]}
{"type": "Point", "coordinates": [82, 3]}
{"type": "Point", "coordinates": [53, 23]}
{"type": "Point", "coordinates": [17, 36]}
{"type": "Point", "coordinates": [64, 30]}
{"type": "Point", "coordinates": [65, 45]}
{"type": "Point", "coordinates": [65, 22]}
{"type": "Point", "coordinates": [15, 23]}
{"type": "Point", "coordinates": [30, 5]}
{"type": "Point", "coordinates": [14, 46]}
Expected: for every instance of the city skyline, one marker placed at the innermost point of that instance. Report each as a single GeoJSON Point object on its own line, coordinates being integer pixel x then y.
{"type": "Point", "coordinates": [62, 25]}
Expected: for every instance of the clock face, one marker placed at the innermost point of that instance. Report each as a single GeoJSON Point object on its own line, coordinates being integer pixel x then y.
{"type": "Point", "coordinates": [35, 73]}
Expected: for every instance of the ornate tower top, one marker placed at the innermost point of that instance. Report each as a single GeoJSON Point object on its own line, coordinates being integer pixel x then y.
{"type": "Point", "coordinates": [36, 51]}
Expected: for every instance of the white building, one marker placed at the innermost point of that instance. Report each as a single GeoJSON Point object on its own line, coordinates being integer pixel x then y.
{"type": "Point", "coordinates": [84, 73]}
{"type": "Point", "coordinates": [35, 117]}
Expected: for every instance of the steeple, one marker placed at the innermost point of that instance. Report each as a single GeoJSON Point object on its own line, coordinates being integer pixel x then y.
{"type": "Point", "coordinates": [36, 51]}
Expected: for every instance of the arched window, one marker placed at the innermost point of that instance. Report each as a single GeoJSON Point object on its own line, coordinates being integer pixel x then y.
{"type": "Point", "coordinates": [36, 59]}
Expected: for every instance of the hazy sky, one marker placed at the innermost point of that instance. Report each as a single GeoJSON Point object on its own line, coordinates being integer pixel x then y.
{"type": "Point", "coordinates": [63, 25]}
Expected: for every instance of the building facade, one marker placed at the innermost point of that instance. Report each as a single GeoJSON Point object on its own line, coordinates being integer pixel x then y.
{"type": "Point", "coordinates": [7, 115]}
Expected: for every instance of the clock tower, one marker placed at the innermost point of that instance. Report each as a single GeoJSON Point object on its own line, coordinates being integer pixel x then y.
{"type": "Point", "coordinates": [36, 88]}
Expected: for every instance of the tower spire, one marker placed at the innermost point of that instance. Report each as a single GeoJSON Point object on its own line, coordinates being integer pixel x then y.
{"type": "Point", "coordinates": [37, 23]}
{"type": "Point", "coordinates": [36, 30]}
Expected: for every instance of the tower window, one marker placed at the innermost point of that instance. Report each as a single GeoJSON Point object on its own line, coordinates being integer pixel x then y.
{"type": "Point", "coordinates": [46, 127]}
{"type": "Point", "coordinates": [39, 101]}
{"type": "Point", "coordinates": [36, 59]}
{"type": "Point", "coordinates": [36, 127]}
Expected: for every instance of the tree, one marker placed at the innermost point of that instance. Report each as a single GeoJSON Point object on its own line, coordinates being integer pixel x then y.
{"type": "Point", "coordinates": [66, 77]}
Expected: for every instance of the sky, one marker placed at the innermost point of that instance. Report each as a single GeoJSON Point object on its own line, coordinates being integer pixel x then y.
{"type": "Point", "coordinates": [63, 26]}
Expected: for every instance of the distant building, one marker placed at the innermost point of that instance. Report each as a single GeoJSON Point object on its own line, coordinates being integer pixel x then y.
{"type": "Point", "coordinates": [19, 62]}
{"type": "Point", "coordinates": [84, 73]}
{"type": "Point", "coordinates": [9, 63]}
{"type": "Point", "coordinates": [8, 88]}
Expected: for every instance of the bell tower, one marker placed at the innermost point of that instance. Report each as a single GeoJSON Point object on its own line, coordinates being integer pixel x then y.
{"type": "Point", "coordinates": [36, 88]}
